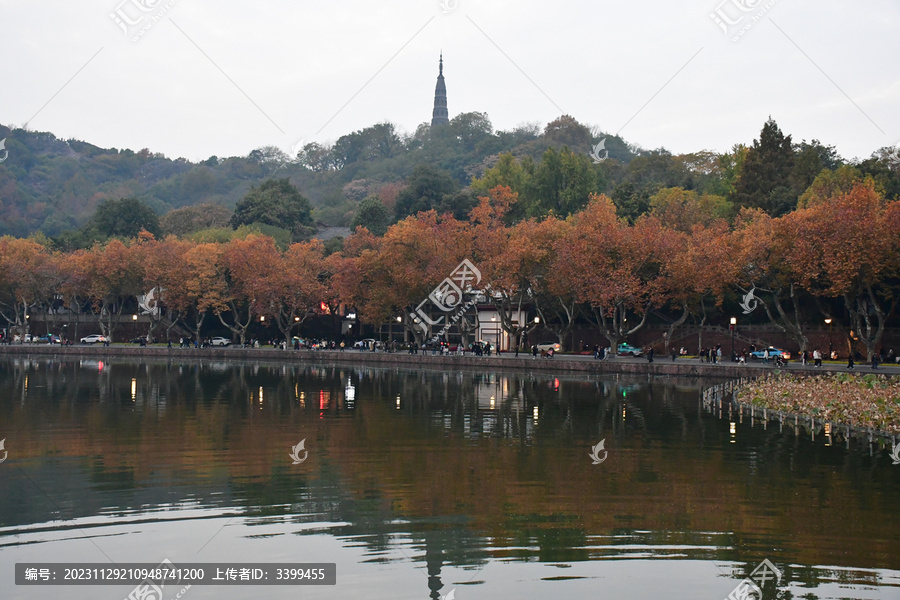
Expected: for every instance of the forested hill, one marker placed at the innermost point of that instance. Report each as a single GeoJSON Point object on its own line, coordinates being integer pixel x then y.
{"type": "Point", "coordinates": [52, 185]}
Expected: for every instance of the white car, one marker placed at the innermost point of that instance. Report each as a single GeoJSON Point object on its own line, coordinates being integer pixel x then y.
{"type": "Point", "coordinates": [546, 346]}
{"type": "Point", "coordinates": [93, 339]}
{"type": "Point", "coordinates": [219, 341]}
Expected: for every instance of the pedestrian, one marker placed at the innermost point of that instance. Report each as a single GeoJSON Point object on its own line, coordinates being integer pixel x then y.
{"type": "Point", "coordinates": [875, 358]}
{"type": "Point", "coordinates": [850, 360]}
{"type": "Point", "coordinates": [718, 354]}
{"type": "Point", "coordinates": [766, 356]}
{"type": "Point", "coordinates": [534, 352]}
{"type": "Point", "coordinates": [803, 358]}
{"type": "Point", "coordinates": [650, 355]}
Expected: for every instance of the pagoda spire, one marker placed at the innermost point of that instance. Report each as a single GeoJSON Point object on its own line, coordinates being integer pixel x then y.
{"type": "Point", "coordinates": [439, 114]}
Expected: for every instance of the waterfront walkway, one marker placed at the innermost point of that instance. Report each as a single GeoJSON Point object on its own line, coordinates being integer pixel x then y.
{"type": "Point", "coordinates": [688, 367]}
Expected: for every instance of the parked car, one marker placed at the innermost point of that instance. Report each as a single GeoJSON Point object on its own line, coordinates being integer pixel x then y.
{"type": "Point", "coordinates": [93, 339]}
{"type": "Point", "coordinates": [49, 339]}
{"type": "Point", "coordinates": [219, 341]}
{"type": "Point", "coordinates": [626, 350]}
{"type": "Point", "coordinates": [773, 352]}
{"type": "Point", "coordinates": [546, 346]}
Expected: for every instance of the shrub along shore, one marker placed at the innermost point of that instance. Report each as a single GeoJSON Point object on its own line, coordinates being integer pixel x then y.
{"type": "Point", "coordinates": [866, 401]}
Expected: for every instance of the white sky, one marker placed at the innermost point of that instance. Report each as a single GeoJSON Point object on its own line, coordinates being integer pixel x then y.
{"type": "Point", "coordinates": [226, 77]}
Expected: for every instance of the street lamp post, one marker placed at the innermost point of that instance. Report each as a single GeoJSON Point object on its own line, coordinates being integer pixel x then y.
{"type": "Point", "coordinates": [733, 325]}
{"type": "Point", "coordinates": [828, 322]}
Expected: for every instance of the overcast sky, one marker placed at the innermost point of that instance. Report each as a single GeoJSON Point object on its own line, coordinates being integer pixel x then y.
{"type": "Point", "coordinates": [226, 77]}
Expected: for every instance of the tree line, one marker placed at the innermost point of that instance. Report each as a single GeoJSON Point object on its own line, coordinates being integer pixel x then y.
{"type": "Point", "coordinates": [56, 187]}
{"type": "Point", "coordinates": [836, 256]}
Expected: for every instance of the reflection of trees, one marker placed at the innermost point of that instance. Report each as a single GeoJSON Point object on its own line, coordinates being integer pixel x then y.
{"type": "Point", "coordinates": [445, 473]}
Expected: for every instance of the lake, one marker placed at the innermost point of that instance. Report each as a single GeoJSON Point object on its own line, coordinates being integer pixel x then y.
{"type": "Point", "coordinates": [430, 484]}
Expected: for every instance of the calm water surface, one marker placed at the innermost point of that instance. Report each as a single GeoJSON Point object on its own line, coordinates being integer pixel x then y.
{"type": "Point", "coordinates": [422, 483]}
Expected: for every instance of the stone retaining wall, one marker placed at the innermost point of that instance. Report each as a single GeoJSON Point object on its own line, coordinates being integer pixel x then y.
{"type": "Point", "coordinates": [680, 368]}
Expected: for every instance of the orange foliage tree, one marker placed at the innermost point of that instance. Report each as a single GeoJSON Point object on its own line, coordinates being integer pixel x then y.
{"type": "Point", "coordinates": [28, 277]}
{"type": "Point", "coordinates": [245, 266]}
{"type": "Point", "coordinates": [848, 246]}
{"type": "Point", "coordinates": [615, 268]}
{"type": "Point", "coordinates": [113, 276]}
{"type": "Point", "coordinates": [298, 285]}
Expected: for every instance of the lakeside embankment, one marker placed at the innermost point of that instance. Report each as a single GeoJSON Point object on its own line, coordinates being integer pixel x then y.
{"type": "Point", "coordinates": [681, 367]}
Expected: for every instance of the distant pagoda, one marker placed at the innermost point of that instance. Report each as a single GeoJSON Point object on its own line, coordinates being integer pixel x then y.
{"type": "Point", "coordinates": [439, 115]}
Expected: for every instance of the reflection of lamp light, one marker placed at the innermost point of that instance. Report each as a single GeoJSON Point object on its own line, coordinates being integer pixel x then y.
{"type": "Point", "coordinates": [732, 429]}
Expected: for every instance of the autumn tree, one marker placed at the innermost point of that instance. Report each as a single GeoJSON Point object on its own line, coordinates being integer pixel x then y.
{"type": "Point", "coordinates": [205, 290]}
{"type": "Point", "coordinates": [762, 244]}
{"type": "Point", "coordinates": [245, 266]}
{"type": "Point", "coordinates": [165, 281]}
{"type": "Point", "coordinates": [682, 209]}
{"type": "Point", "coordinates": [616, 268]}
{"type": "Point", "coordinates": [534, 249]}
{"type": "Point", "coordinates": [848, 247]}
{"type": "Point", "coordinates": [114, 276]}
{"type": "Point", "coordinates": [27, 278]}
{"type": "Point", "coordinates": [296, 287]}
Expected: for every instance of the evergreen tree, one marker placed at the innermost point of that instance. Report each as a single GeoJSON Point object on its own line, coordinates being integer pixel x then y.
{"type": "Point", "coordinates": [124, 218]}
{"type": "Point", "coordinates": [276, 202]}
{"type": "Point", "coordinates": [372, 214]}
{"type": "Point", "coordinates": [765, 177]}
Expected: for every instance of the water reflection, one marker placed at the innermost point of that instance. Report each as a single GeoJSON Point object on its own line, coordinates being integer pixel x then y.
{"type": "Point", "coordinates": [449, 473]}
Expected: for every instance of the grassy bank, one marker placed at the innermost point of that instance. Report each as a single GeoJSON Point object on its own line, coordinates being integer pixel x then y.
{"type": "Point", "coordinates": [867, 401]}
